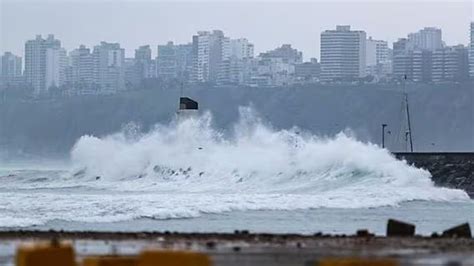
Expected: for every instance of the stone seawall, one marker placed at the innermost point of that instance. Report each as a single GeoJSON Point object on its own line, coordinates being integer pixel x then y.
{"type": "Point", "coordinates": [451, 169]}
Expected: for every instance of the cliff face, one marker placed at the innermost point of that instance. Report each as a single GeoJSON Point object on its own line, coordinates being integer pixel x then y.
{"type": "Point", "coordinates": [442, 116]}
{"type": "Point", "coordinates": [455, 170]}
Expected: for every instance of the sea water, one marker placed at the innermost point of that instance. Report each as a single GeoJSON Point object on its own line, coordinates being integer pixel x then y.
{"type": "Point", "coordinates": [188, 176]}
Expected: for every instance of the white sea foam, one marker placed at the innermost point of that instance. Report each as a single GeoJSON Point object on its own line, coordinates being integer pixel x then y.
{"type": "Point", "coordinates": [188, 168]}
{"type": "Point", "coordinates": [191, 156]}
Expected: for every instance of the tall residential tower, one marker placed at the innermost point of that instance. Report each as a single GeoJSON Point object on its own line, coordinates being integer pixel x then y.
{"type": "Point", "coordinates": [45, 63]}
{"type": "Point", "coordinates": [343, 54]}
{"type": "Point", "coordinates": [209, 50]}
{"type": "Point", "coordinates": [109, 67]}
{"type": "Point", "coordinates": [428, 38]}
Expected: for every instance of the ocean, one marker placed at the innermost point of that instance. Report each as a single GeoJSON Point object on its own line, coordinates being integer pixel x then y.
{"type": "Point", "coordinates": [187, 176]}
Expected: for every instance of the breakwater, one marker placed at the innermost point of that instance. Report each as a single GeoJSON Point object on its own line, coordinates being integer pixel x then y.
{"type": "Point", "coordinates": [449, 169]}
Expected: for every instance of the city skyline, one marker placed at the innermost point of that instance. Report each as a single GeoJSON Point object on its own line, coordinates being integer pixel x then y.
{"type": "Point", "coordinates": [129, 53]}
{"type": "Point", "coordinates": [295, 31]}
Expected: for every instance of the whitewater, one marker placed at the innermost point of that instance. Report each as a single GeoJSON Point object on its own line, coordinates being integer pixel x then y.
{"type": "Point", "coordinates": [188, 169]}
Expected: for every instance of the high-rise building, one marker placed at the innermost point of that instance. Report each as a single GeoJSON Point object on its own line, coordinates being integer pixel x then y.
{"type": "Point", "coordinates": [402, 59]}
{"type": "Point", "coordinates": [401, 46]}
{"type": "Point", "coordinates": [471, 53]}
{"type": "Point", "coordinates": [447, 64]}
{"type": "Point", "coordinates": [237, 61]}
{"type": "Point", "coordinates": [450, 64]}
{"type": "Point", "coordinates": [241, 48]}
{"type": "Point", "coordinates": [376, 51]}
{"type": "Point", "coordinates": [144, 63]}
{"type": "Point", "coordinates": [343, 54]}
{"type": "Point", "coordinates": [234, 71]}
{"type": "Point", "coordinates": [308, 71]}
{"type": "Point", "coordinates": [421, 67]}
{"type": "Point", "coordinates": [377, 57]}
{"type": "Point", "coordinates": [167, 61]}
{"type": "Point", "coordinates": [286, 53]}
{"type": "Point", "coordinates": [184, 60]}
{"type": "Point", "coordinates": [209, 51]}
{"type": "Point", "coordinates": [402, 66]}
{"type": "Point", "coordinates": [109, 67]}
{"type": "Point", "coordinates": [429, 38]}
{"type": "Point", "coordinates": [45, 63]}
{"type": "Point", "coordinates": [132, 73]}
{"type": "Point", "coordinates": [56, 62]}
{"type": "Point", "coordinates": [82, 69]}
{"type": "Point", "coordinates": [273, 71]}
{"type": "Point", "coordinates": [11, 65]}
{"type": "Point", "coordinates": [10, 70]}
{"type": "Point", "coordinates": [174, 61]}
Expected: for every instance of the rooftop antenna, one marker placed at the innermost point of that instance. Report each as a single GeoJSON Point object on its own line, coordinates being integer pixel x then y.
{"type": "Point", "coordinates": [408, 134]}
{"type": "Point", "coordinates": [383, 135]}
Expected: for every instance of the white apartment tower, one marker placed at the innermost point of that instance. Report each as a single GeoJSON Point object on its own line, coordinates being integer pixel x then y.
{"type": "Point", "coordinates": [236, 60]}
{"type": "Point", "coordinates": [174, 61]}
{"type": "Point", "coordinates": [209, 50]}
{"type": "Point", "coordinates": [429, 38]}
{"type": "Point", "coordinates": [343, 54]}
{"type": "Point", "coordinates": [109, 71]}
{"type": "Point", "coordinates": [82, 65]}
{"type": "Point", "coordinates": [45, 63]}
{"type": "Point", "coordinates": [241, 48]}
{"type": "Point", "coordinates": [144, 63]}
{"type": "Point", "coordinates": [377, 58]}
{"type": "Point", "coordinates": [376, 51]}
{"type": "Point", "coordinates": [56, 63]}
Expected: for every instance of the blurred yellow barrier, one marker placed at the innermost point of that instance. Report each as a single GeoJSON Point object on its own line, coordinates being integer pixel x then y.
{"type": "Point", "coordinates": [45, 255]}
{"type": "Point", "coordinates": [357, 262]}
{"type": "Point", "coordinates": [173, 258]}
{"type": "Point", "coordinates": [110, 261]}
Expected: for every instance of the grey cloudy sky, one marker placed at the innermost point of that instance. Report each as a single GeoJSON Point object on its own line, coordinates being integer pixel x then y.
{"type": "Point", "coordinates": [267, 24]}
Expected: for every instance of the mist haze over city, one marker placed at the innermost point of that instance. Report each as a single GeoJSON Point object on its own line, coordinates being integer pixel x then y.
{"type": "Point", "coordinates": [158, 45]}
{"type": "Point", "coordinates": [214, 116]}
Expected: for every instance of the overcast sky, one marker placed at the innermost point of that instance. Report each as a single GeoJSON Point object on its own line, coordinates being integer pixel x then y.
{"type": "Point", "coordinates": [267, 24]}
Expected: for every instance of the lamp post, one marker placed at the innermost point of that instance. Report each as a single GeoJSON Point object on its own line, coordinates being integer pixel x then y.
{"type": "Point", "coordinates": [383, 135]}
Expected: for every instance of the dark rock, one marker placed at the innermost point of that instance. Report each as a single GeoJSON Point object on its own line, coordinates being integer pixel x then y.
{"type": "Point", "coordinates": [452, 170]}
{"type": "Point", "coordinates": [243, 232]}
{"type": "Point", "coordinates": [210, 244]}
{"type": "Point", "coordinates": [453, 263]}
{"type": "Point", "coordinates": [462, 230]}
{"type": "Point", "coordinates": [399, 228]}
{"type": "Point", "coordinates": [364, 233]}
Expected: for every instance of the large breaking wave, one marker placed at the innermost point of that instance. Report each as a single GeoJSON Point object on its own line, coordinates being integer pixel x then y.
{"type": "Point", "coordinates": [190, 156]}
{"type": "Point", "coordinates": [188, 168]}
